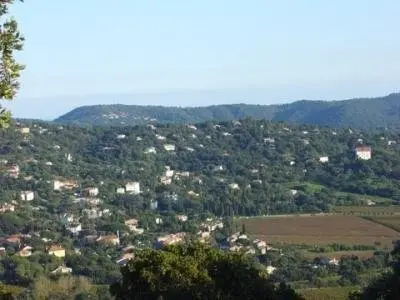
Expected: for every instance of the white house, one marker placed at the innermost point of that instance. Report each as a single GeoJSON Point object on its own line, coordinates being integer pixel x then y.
{"type": "Point", "coordinates": [62, 270]}
{"type": "Point", "coordinates": [121, 190]}
{"type": "Point", "coordinates": [194, 194]}
{"type": "Point", "coordinates": [121, 136]}
{"type": "Point", "coordinates": [150, 150]}
{"type": "Point", "coordinates": [13, 171]}
{"type": "Point", "coordinates": [27, 195]}
{"type": "Point", "coordinates": [7, 207]}
{"type": "Point", "coordinates": [166, 180]}
{"type": "Point", "coordinates": [269, 140]}
{"type": "Point", "coordinates": [169, 147]}
{"type": "Point", "coordinates": [234, 186]}
{"type": "Point", "coordinates": [92, 191]}
{"type": "Point", "coordinates": [169, 172]}
{"type": "Point", "coordinates": [324, 159]}
{"type": "Point", "coordinates": [25, 130]}
{"type": "Point", "coordinates": [133, 187]}
{"type": "Point", "coordinates": [132, 225]}
{"type": "Point", "coordinates": [182, 218]}
{"type": "Point", "coordinates": [270, 270]}
{"type": "Point", "coordinates": [334, 262]}
{"type": "Point", "coordinates": [74, 228]}
{"type": "Point", "coordinates": [171, 239]}
{"type": "Point", "coordinates": [363, 152]}
{"type": "Point", "coordinates": [68, 185]}
{"type": "Point", "coordinates": [160, 137]}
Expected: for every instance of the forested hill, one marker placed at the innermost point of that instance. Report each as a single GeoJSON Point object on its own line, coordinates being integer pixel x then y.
{"type": "Point", "coordinates": [368, 113]}
{"type": "Point", "coordinates": [246, 167]}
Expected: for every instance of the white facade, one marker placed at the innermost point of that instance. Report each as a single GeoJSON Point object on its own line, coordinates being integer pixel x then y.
{"type": "Point", "coordinates": [160, 137]}
{"type": "Point", "coordinates": [133, 187]}
{"type": "Point", "coordinates": [121, 190]}
{"type": "Point", "coordinates": [182, 218]}
{"type": "Point", "coordinates": [150, 150]}
{"type": "Point", "coordinates": [27, 195]}
{"type": "Point", "coordinates": [324, 159]}
{"type": "Point", "coordinates": [270, 270]}
{"type": "Point", "coordinates": [234, 186]}
{"type": "Point", "coordinates": [13, 171]}
{"type": "Point", "coordinates": [75, 229]}
{"type": "Point", "coordinates": [364, 153]}
{"type": "Point", "coordinates": [25, 130]}
{"type": "Point", "coordinates": [169, 147]}
{"type": "Point", "coordinates": [166, 180]}
{"type": "Point", "coordinates": [59, 185]}
{"type": "Point", "coordinates": [92, 191]}
{"type": "Point", "coordinates": [169, 173]}
{"type": "Point", "coordinates": [62, 270]}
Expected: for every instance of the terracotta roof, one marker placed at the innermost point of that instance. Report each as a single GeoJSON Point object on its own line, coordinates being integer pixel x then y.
{"type": "Point", "coordinates": [107, 238]}
{"type": "Point", "coordinates": [14, 239]}
{"type": "Point", "coordinates": [363, 148]}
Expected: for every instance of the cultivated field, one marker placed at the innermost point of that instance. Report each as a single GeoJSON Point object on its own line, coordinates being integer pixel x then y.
{"type": "Point", "coordinates": [337, 254]}
{"type": "Point", "coordinates": [320, 230]}
{"type": "Point", "coordinates": [368, 210]}
{"type": "Point", "coordinates": [389, 221]}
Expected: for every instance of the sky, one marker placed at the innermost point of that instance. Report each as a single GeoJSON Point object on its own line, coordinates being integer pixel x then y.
{"type": "Point", "coordinates": [194, 53]}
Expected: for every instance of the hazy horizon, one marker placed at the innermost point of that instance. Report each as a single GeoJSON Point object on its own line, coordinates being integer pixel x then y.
{"type": "Point", "coordinates": [39, 110]}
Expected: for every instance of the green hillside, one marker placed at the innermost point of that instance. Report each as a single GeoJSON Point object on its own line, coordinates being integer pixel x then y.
{"type": "Point", "coordinates": [82, 188]}
{"type": "Point", "coordinates": [369, 113]}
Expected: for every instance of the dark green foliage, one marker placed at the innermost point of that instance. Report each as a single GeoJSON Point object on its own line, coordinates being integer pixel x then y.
{"type": "Point", "coordinates": [196, 272]}
{"type": "Point", "coordinates": [371, 113]}
{"type": "Point", "coordinates": [385, 287]}
{"type": "Point", "coordinates": [260, 168]}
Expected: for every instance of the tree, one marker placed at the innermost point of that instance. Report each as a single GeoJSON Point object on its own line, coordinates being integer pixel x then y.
{"type": "Point", "coordinates": [386, 287]}
{"type": "Point", "coordinates": [196, 272]}
{"type": "Point", "coordinates": [10, 41]}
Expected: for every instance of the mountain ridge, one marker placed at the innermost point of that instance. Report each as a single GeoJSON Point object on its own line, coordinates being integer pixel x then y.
{"type": "Point", "coordinates": [364, 113]}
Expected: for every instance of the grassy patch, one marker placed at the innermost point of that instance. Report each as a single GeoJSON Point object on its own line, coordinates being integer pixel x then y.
{"type": "Point", "coordinates": [369, 210]}
{"type": "Point", "coordinates": [392, 222]}
{"type": "Point", "coordinates": [331, 293]}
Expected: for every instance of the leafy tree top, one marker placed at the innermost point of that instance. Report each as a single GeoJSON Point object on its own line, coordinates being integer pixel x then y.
{"type": "Point", "coordinates": [11, 40]}
{"type": "Point", "coordinates": [196, 272]}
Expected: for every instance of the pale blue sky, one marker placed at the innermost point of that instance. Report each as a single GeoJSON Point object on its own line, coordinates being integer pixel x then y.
{"type": "Point", "coordinates": [267, 51]}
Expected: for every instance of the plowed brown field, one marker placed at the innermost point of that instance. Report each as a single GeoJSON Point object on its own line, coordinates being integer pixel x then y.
{"type": "Point", "coordinates": [319, 230]}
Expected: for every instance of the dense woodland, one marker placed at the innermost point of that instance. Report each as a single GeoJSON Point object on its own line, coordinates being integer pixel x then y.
{"type": "Point", "coordinates": [370, 113]}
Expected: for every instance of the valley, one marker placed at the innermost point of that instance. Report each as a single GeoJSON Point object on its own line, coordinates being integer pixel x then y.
{"type": "Point", "coordinates": [77, 200]}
